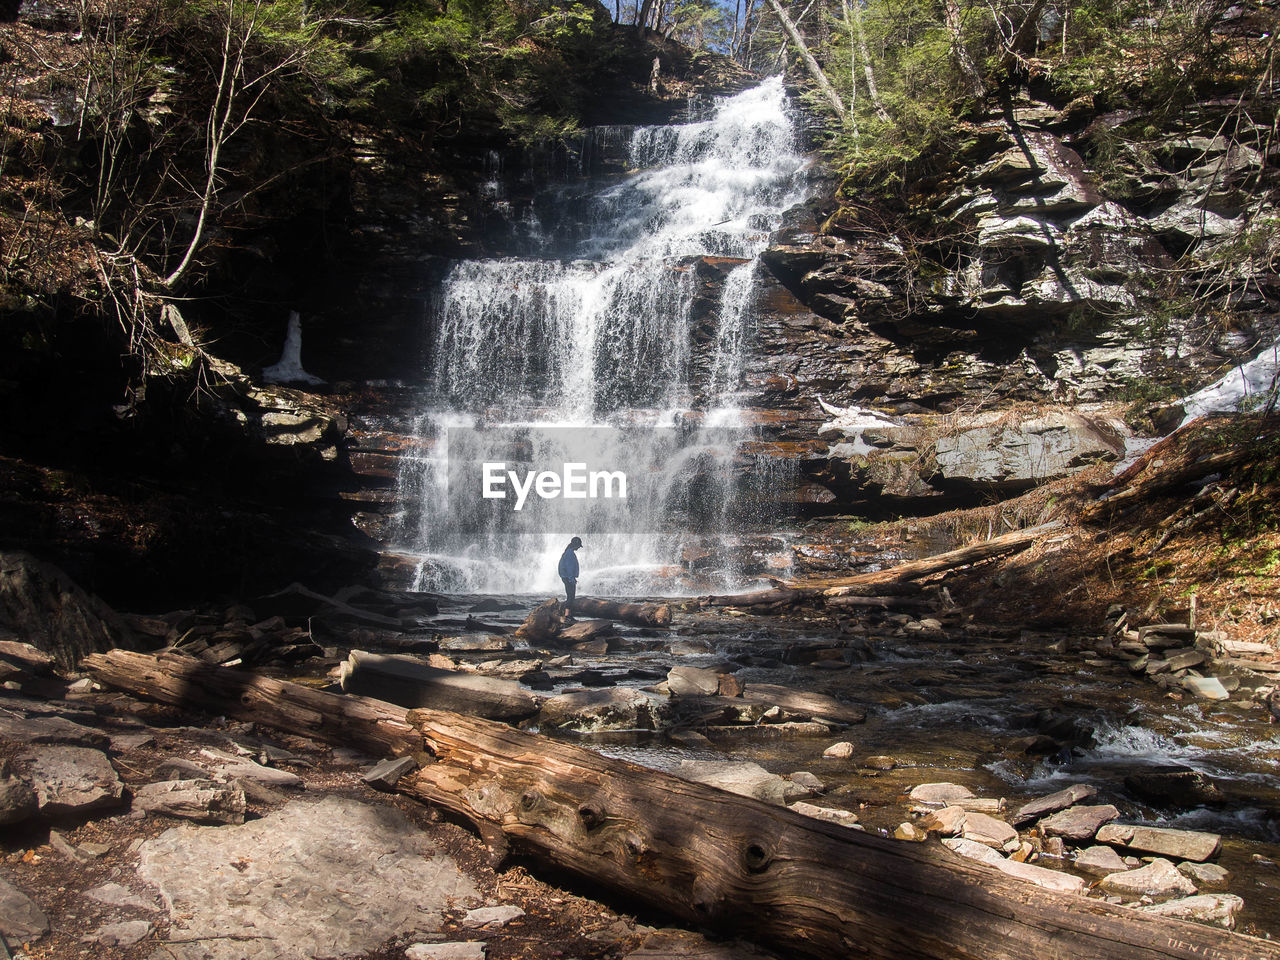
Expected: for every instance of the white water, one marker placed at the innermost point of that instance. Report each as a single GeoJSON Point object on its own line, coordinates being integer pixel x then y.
{"type": "Point", "coordinates": [607, 337]}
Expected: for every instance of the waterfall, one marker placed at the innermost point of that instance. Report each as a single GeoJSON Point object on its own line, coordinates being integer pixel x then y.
{"type": "Point", "coordinates": [604, 352]}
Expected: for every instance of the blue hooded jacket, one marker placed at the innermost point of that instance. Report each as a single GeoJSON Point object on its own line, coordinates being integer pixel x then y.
{"type": "Point", "coordinates": [568, 568]}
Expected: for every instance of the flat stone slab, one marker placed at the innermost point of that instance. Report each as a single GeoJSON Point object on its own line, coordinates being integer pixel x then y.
{"type": "Point", "coordinates": [242, 768]}
{"type": "Point", "coordinates": [1040, 876]}
{"type": "Point", "coordinates": [492, 916]}
{"type": "Point", "coordinates": [990, 831]}
{"type": "Point", "coordinates": [1079, 822]}
{"type": "Point", "coordinates": [1100, 861]}
{"type": "Point", "coordinates": [1179, 844]}
{"type": "Point", "coordinates": [940, 792]}
{"type": "Point", "coordinates": [51, 730]}
{"type": "Point", "coordinates": [454, 950]}
{"type": "Point", "coordinates": [1054, 802]}
{"type": "Point", "coordinates": [118, 895]}
{"type": "Point", "coordinates": [1206, 688]}
{"type": "Point", "coordinates": [21, 920]}
{"type": "Point", "coordinates": [1159, 880]}
{"type": "Point", "coordinates": [72, 780]}
{"type": "Point", "coordinates": [326, 879]}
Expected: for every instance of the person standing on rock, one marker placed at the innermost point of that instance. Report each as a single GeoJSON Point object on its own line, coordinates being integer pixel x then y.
{"type": "Point", "coordinates": [568, 571]}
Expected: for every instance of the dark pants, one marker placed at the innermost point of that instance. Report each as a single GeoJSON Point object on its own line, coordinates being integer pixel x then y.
{"type": "Point", "coordinates": [571, 591]}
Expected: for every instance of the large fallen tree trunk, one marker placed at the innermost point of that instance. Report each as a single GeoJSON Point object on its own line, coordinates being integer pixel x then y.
{"type": "Point", "coordinates": [408, 682]}
{"type": "Point", "coordinates": [187, 682]}
{"type": "Point", "coordinates": [641, 614]}
{"type": "Point", "coordinates": [711, 857]}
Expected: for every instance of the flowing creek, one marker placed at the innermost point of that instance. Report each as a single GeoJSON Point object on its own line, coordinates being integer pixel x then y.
{"type": "Point", "coordinates": [961, 704]}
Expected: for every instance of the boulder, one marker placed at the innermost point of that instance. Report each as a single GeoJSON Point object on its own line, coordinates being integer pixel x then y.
{"type": "Point", "coordinates": [620, 708]}
{"type": "Point", "coordinates": [74, 780]}
{"type": "Point", "coordinates": [1178, 785]}
{"type": "Point", "coordinates": [1219, 908]}
{"type": "Point", "coordinates": [44, 607]}
{"type": "Point", "coordinates": [1078, 822]}
{"type": "Point", "coordinates": [1054, 802]}
{"type": "Point", "coordinates": [1161, 841]}
{"type": "Point", "coordinates": [21, 920]}
{"type": "Point", "coordinates": [204, 801]}
{"type": "Point", "coordinates": [693, 681]}
{"type": "Point", "coordinates": [18, 801]}
{"type": "Point", "coordinates": [1206, 688]}
{"type": "Point", "coordinates": [1159, 880]}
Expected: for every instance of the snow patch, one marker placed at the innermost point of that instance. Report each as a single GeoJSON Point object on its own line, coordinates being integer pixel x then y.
{"type": "Point", "coordinates": [1248, 384]}
{"type": "Point", "coordinates": [289, 369]}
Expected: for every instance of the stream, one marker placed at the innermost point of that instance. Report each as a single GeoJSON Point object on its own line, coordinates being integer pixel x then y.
{"type": "Point", "coordinates": [1008, 713]}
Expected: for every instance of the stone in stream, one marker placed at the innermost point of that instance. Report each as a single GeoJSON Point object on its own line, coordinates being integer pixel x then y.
{"type": "Point", "coordinates": [1040, 876]}
{"type": "Point", "coordinates": [879, 763]}
{"type": "Point", "coordinates": [689, 648]}
{"type": "Point", "coordinates": [990, 831]}
{"type": "Point", "coordinates": [1206, 688]}
{"type": "Point", "coordinates": [1078, 822]}
{"type": "Point", "coordinates": [909, 831]}
{"type": "Point", "coordinates": [808, 781]}
{"type": "Point", "coordinates": [1205, 874]}
{"type": "Point", "coordinates": [74, 780]}
{"type": "Point", "coordinates": [940, 792]}
{"type": "Point", "coordinates": [620, 708]}
{"type": "Point", "coordinates": [839, 751]}
{"type": "Point", "coordinates": [1100, 861]}
{"type": "Point", "coordinates": [947, 822]}
{"type": "Point", "coordinates": [21, 920]}
{"type": "Point", "coordinates": [741, 777]}
{"type": "Point", "coordinates": [1159, 880]}
{"type": "Point", "coordinates": [1162, 841]}
{"type": "Point", "coordinates": [843, 817]}
{"type": "Point", "coordinates": [1219, 908]}
{"type": "Point", "coordinates": [592, 648]}
{"type": "Point", "coordinates": [584, 630]}
{"type": "Point", "coordinates": [1174, 784]}
{"type": "Point", "coordinates": [204, 801]}
{"type": "Point", "coordinates": [693, 681]}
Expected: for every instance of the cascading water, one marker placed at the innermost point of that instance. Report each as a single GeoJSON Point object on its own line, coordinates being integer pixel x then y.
{"type": "Point", "coordinates": [599, 353]}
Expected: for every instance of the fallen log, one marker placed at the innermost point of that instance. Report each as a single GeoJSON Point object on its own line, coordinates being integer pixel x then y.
{"type": "Point", "coordinates": [407, 682]}
{"type": "Point", "coordinates": [757, 598]}
{"type": "Point", "coordinates": [708, 856]}
{"type": "Point", "coordinates": [640, 614]}
{"type": "Point", "coordinates": [999, 546]}
{"type": "Point", "coordinates": [184, 681]}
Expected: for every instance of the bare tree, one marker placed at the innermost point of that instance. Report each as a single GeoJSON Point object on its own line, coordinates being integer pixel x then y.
{"type": "Point", "coordinates": [815, 71]}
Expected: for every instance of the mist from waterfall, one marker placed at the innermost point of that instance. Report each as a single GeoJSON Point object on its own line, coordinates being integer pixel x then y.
{"type": "Point", "coordinates": [593, 351]}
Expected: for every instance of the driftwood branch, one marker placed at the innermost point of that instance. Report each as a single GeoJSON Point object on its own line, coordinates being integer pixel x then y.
{"type": "Point", "coordinates": [710, 857]}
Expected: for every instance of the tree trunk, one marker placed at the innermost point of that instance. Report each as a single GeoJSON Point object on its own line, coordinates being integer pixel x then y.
{"type": "Point", "coordinates": [194, 685]}
{"type": "Point", "coordinates": [872, 90]}
{"type": "Point", "coordinates": [939, 563]}
{"type": "Point", "coordinates": [973, 77]}
{"type": "Point", "coordinates": [711, 857]}
{"type": "Point", "coordinates": [641, 614]}
{"type": "Point", "coordinates": [815, 71]}
{"type": "Point", "coordinates": [408, 682]}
